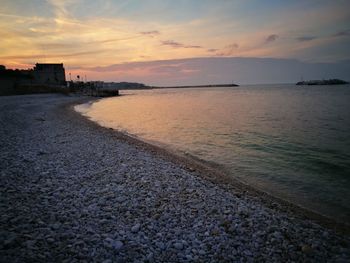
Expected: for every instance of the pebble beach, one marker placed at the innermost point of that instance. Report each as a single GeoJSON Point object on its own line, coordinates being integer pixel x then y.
{"type": "Point", "coordinates": [71, 191]}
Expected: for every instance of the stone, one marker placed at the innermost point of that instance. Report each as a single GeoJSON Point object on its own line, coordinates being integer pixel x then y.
{"type": "Point", "coordinates": [306, 249]}
{"type": "Point", "coordinates": [160, 245]}
{"type": "Point", "coordinates": [117, 244]}
{"type": "Point", "coordinates": [136, 228]}
{"type": "Point", "coordinates": [50, 240]}
{"type": "Point", "coordinates": [11, 239]}
{"type": "Point", "coordinates": [178, 245]}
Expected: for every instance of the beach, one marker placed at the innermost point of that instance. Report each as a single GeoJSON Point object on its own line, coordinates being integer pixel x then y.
{"type": "Point", "coordinates": [74, 191]}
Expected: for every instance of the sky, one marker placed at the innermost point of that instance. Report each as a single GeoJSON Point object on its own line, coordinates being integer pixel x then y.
{"type": "Point", "coordinates": [182, 42]}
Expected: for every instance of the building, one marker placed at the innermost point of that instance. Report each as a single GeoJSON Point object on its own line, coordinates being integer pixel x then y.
{"type": "Point", "coordinates": [49, 74]}
{"type": "Point", "coordinates": [41, 78]}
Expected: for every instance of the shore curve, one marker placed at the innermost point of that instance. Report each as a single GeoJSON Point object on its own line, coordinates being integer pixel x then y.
{"type": "Point", "coordinates": [72, 190]}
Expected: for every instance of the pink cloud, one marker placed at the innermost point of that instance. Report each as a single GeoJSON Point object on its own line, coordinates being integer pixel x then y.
{"type": "Point", "coordinates": [152, 33]}
{"type": "Point", "coordinates": [175, 44]}
{"type": "Point", "coordinates": [229, 50]}
{"type": "Point", "coordinates": [271, 38]}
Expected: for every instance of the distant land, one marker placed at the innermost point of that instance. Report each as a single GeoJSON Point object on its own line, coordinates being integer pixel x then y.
{"type": "Point", "coordinates": [323, 82]}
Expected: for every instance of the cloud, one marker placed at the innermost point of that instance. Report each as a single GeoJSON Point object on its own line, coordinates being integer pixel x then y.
{"type": "Point", "coordinates": [166, 69]}
{"type": "Point", "coordinates": [65, 55]}
{"type": "Point", "coordinates": [114, 39]}
{"type": "Point", "coordinates": [175, 44]}
{"type": "Point", "coordinates": [229, 50]}
{"type": "Point", "coordinates": [342, 33]}
{"type": "Point", "coordinates": [172, 68]}
{"type": "Point", "coordinates": [152, 33]}
{"type": "Point", "coordinates": [338, 34]}
{"type": "Point", "coordinates": [271, 38]}
{"type": "Point", "coordinates": [132, 65]}
{"type": "Point", "coordinates": [233, 46]}
{"type": "Point", "coordinates": [217, 70]}
{"type": "Point", "coordinates": [61, 8]}
{"type": "Point", "coordinates": [193, 46]}
{"type": "Point", "coordinates": [172, 43]}
{"type": "Point", "coordinates": [306, 38]}
{"type": "Point", "coordinates": [60, 27]}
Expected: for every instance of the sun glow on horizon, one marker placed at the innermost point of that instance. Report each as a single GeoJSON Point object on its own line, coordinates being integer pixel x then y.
{"type": "Point", "coordinates": [88, 34]}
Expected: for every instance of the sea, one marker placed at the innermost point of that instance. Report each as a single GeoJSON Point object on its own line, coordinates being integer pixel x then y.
{"type": "Point", "coordinates": [290, 141]}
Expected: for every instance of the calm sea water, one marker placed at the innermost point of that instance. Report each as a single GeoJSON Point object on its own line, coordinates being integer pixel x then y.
{"type": "Point", "coordinates": [291, 141]}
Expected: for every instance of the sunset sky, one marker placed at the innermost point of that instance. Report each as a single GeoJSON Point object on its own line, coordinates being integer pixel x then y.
{"type": "Point", "coordinates": [125, 40]}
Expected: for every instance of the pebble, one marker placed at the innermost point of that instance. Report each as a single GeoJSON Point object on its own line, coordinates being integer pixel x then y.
{"type": "Point", "coordinates": [80, 200]}
{"type": "Point", "coordinates": [178, 245]}
{"type": "Point", "coordinates": [50, 240]}
{"type": "Point", "coordinates": [306, 249]}
{"type": "Point", "coordinates": [160, 245]}
{"type": "Point", "coordinates": [10, 239]}
{"type": "Point", "coordinates": [136, 228]}
{"type": "Point", "coordinates": [117, 244]}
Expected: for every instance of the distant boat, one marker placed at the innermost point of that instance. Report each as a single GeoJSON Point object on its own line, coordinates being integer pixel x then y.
{"type": "Point", "coordinates": [323, 82]}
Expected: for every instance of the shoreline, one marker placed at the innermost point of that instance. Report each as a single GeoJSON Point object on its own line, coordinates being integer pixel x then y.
{"type": "Point", "coordinates": [217, 174]}
{"type": "Point", "coordinates": [72, 190]}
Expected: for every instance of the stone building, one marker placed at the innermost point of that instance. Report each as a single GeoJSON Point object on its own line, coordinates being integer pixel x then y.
{"type": "Point", "coordinates": [41, 78]}
{"type": "Point", "coordinates": [49, 74]}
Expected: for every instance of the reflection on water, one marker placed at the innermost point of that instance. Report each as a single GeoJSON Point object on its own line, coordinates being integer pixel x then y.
{"type": "Point", "coordinates": [290, 140]}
